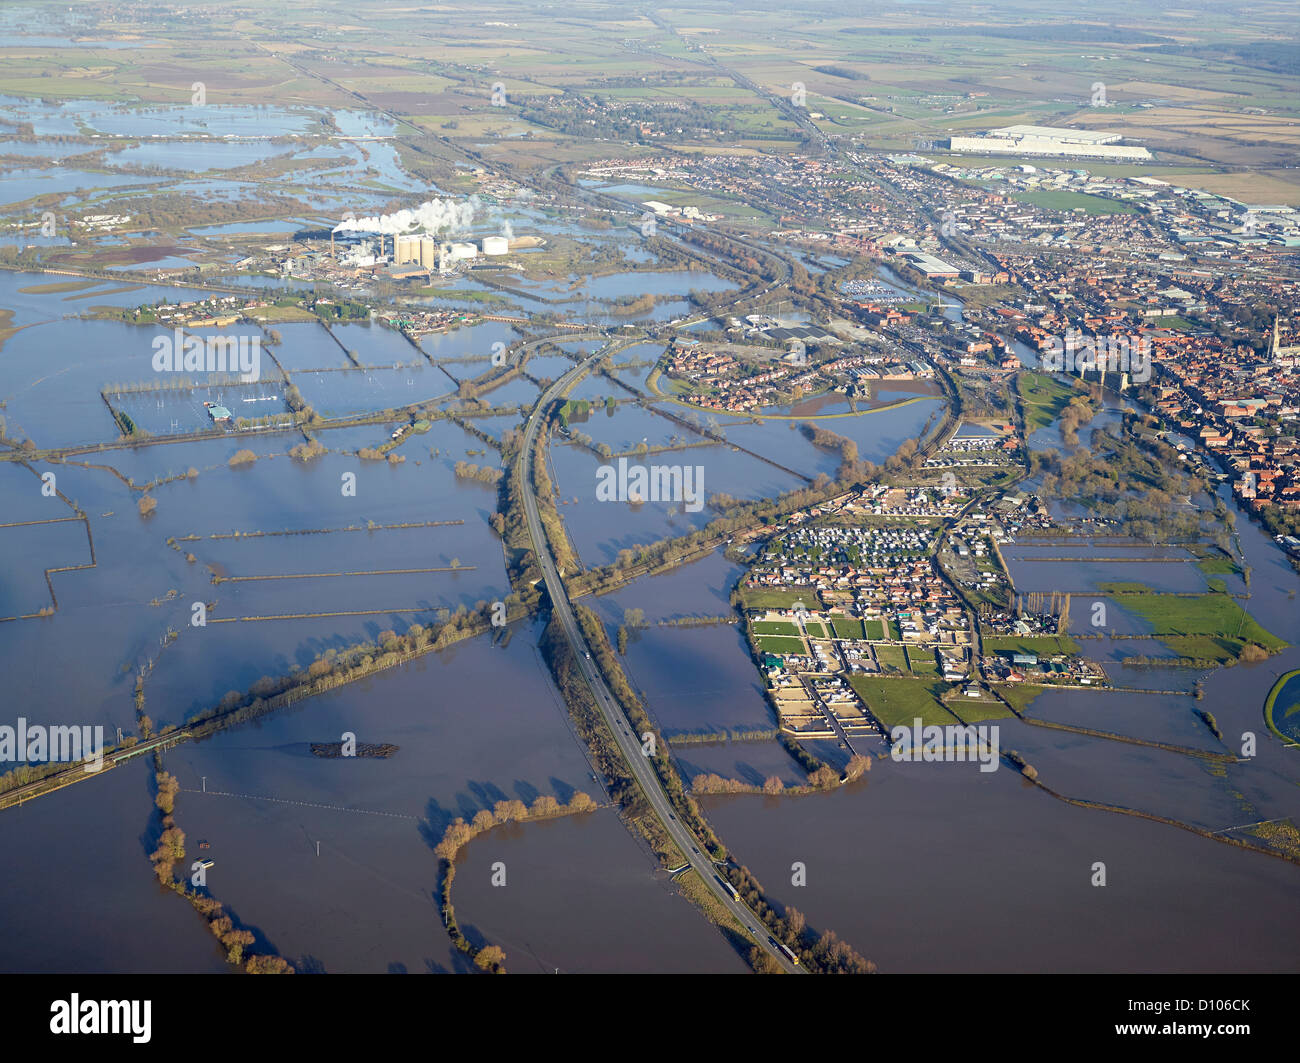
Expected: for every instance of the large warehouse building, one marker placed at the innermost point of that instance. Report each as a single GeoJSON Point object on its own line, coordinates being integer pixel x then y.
{"type": "Point", "coordinates": [1049, 140]}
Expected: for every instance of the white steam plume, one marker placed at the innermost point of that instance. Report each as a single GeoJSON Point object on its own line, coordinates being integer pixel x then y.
{"type": "Point", "coordinates": [433, 217]}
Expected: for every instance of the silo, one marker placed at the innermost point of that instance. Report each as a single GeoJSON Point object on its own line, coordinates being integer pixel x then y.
{"type": "Point", "coordinates": [401, 250]}
{"type": "Point", "coordinates": [428, 252]}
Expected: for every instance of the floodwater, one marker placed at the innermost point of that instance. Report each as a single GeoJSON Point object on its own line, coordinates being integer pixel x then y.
{"type": "Point", "coordinates": [23, 184]}
{"type": "Point", "coordinates": [368, 902]}
{"type": "Point", "coordinates": [750, 761]}
{"type": "Point", "coordinates": [594, 299]}
{"type": "Point", "coordinates": [476, 723]}
{"type": "Point", "coordinates": [604, 874]}
{"type": "Point", "coordinates": [937, 867]}
{"type": "Point", "coordinates": [711, 685]}
{"type": "Point", "coordinates": [84, 897]}
{"type": "Point", "coordinates": [877, 434]}
{"type": "Point", "coordinates": [330, 862]}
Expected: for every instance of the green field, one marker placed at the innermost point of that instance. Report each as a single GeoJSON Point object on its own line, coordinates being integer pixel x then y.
{"type": "Point", "coordinates": [814, 629]}
{"type": "Point", "coordinates": [276, 315]}
{"type": "Point", "coordinates": [1218, 564]}
{"type": "Point", "coordinates": [922, 663]}
{"type": "Point", "coordinates": [1213, 621]}
{"type": "Point", "coordinates": [1282, 708]}
{"type": "Point", "coordinates": [463, 296]}
{"type": "Point", "coordinates": [847, 627]}
{"type": "Point", "coordinates": [1062, 199]}
{"type": "Point", "coordinates": [892, 658]}
{"type": "Point", "coordinates": [873, 629]}
{"type": "Point", "coordinates": [775, 627]}
{"type": "Point", "coordinates": [972, 710]}
{"type": "Point", "coordinates": [1043, 398]}
{"type": "Point", "coordinates": [1096, 168]}
{"type": "Point", "coordinates": [1204, 647]}
{"type": "Point", "coordinates": [763, 598]}
{"type": "Point", "coordinates": [897, 702]}
{"type": "Point", "coordinates": [1020, 695]}
{"type": "Point", "coordinates": [1042, 645]}
{"type": "Point", "coordinates": [780, 644]}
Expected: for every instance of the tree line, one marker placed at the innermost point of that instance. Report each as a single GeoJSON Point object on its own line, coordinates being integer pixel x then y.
{"type": "Point", "coordinates": [170, 852]}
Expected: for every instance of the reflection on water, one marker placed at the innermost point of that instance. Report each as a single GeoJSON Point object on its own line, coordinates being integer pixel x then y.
{"type": "Point", "coordinates": [939, 868]}
{"type": "Point", "coordinates": [570, 884]}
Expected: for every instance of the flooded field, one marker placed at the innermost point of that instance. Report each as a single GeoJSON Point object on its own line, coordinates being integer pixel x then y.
{"type": "Point", "coordinates": [898, 863]}
{"type": "Point", "coordinates": [103, 825]}
{"type": "Point", "coordinates": [463, 745]}
{"type": "Point", "coordinates": [698, 680]}
{"type": "Point", "coordinates": [751, 761]}
{"type": "Point", "coordinates": [877, 434]}
{"type": "Point", "coordinates": [583, 872]}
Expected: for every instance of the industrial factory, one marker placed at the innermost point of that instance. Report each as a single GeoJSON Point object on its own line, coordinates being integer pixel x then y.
{"type": "Point", "coordinates": [413, 254]}
{"type": "Point", "coordinates": [1050, 141]}
{"type": "Point", "coordinates": [431, 239]}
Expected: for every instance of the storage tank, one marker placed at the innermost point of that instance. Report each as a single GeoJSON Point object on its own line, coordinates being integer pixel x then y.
{"type": "Point", "coordinates": [463, 250]}
{"type": "Point", "coordinates": [428, 252]}
{"type": "Point", "coordinates": [496, 245]}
